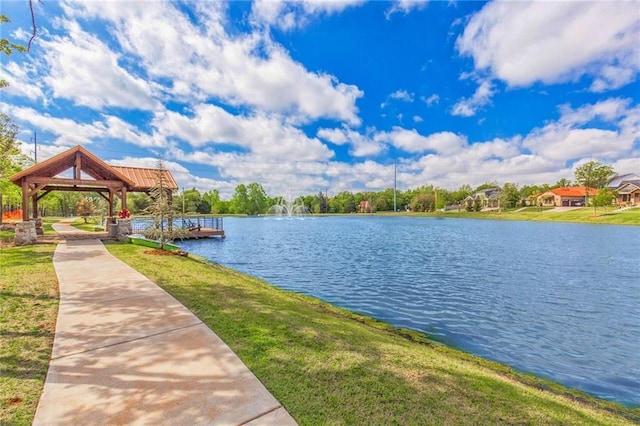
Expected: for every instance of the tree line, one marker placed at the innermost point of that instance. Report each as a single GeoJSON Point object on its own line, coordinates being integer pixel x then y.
{"type": "Point", "coordinates": [252, 199]}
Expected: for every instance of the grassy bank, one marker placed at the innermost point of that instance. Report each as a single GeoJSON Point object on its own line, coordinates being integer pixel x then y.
{"type": "Point", "coordinates": [581, 215]}
{"type": "Point", "coordinates": [329, 366]}
{"type": "Point", "coordinates": [28, 310]}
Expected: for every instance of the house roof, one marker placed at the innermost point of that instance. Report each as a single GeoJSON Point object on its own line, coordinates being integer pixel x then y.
{"type": "Point", "coordinates": [573, 191]}
{"type": "Point", "coordinates": [145, 178]}
{"type": "Point", "coordinates": [487, 192]}
{"type": "Point", "coordinates": [629, 187]}
{"type": "Point", "coordinates": [618, 180]}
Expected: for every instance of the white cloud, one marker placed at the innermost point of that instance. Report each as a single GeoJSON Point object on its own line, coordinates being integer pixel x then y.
{"type": "Point", "coordinates": [83, 69]}
{"type": "Point", "coordinates": [202, 61]}
{"type": "Point", "coordinates": [446, 143]}
{"type": "Point", "coordinates": [402, 95]}
{"type": "Point", "coordinates": [361, 145]}
{"type": "Point", "coordinates": [289, 15]}
{"type": "Point", "coordinates": [525, 42]}
{"type": "Point", "coordinates": [571, 137]}
{"type": "Point", "coordinates": [481, 97]}
{"type": "Point", "coordinates": [68, 132]}
{"type": "Point", "coordinates": [417, 119]}
{"type": "Point", "coordinates": [259, 134]}
{"type": "Point", "coordinates": [431, 100]}
{"type": "Point", "coordinates": [405, 7]}
{"type": "Point", "coordinates": [21, 80]}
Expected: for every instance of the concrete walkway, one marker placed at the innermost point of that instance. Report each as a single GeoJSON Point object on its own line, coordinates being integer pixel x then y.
{"type": "Point", "coordinates": [126, 352]}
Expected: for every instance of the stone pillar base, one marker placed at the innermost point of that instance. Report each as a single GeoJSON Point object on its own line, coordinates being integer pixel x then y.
{"type": "Point", "coordinates": [26, 233]}
{"type": "Point", "coordinates": [124, 229]}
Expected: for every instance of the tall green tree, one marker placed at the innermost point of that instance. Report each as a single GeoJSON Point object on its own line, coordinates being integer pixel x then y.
{"type": "Point", "coordinates": [240, 200]}
{"type": "Point", "coordinates": [593, 174]}
{"type": "Point", "coordinates": [510, 195]}
{"type": "Point", "coordinates": [11, 158]}
{"type": "Point", "coordinates": [257, 199]}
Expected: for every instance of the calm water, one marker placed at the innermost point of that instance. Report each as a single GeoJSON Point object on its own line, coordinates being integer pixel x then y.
{"type": "Point", "coordinates": [558, 300]}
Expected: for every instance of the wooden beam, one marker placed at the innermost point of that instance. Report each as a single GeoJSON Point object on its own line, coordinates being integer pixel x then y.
{"type": "Point", "coordinates": [103, 196]}
{"type": "Point", "coordinates": [25, 200]}
{"type": "Point", "coordinates": [116, 184]}
{"type": "Point", "coordinates": [34, 202]}
{"type": "Point", "coordinates": [44, 194]}
{"type": "Point", "coordinates": [50, 188]}
{"type": "Point", "coordinates": [111, 203]}
{"type": "Point", "coordinates": [78, 166]}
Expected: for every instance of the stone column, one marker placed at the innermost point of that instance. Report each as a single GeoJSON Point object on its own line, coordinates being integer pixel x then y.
{"type": "Point", "coordinates": [26, 233]}
{"type": "Point", "coordinates": [124, 229]}
{"type": "Point", "coordinates": [39, 230]}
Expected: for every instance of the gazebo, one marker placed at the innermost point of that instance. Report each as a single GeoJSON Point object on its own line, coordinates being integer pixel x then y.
{"type": "Point", "coordinates": [88, 174]}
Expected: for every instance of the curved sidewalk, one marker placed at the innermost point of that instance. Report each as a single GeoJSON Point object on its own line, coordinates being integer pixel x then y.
{"type": "Point", "coordinates": [126, 352]}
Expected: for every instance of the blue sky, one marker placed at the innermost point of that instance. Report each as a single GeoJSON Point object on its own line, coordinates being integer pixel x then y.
{"type": "Point", "coordinates": [308, 96]}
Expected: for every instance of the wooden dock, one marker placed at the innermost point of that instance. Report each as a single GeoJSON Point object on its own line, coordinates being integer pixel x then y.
{"type": "Point", "coordinates": [199, 227]}
{"type": "Point", "coordinates": [205, 233]}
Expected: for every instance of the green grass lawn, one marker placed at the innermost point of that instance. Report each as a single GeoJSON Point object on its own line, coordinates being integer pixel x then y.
{"type": "Point", "coordinates": [326, 365]}
{"type": "Point", "coordinates": [91, 225]}
{"type": "Point", "coordinates": [28, 310]}
{"type": "Point", "coordinates": [330, 366]}
{"type": "Point", "coordinates": [581, 215]}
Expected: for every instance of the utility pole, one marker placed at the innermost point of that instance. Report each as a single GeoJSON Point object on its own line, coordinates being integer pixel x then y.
{"type": "Point", "coordinates": [395, 185]}
{"type": "Point", "coordinates": [35, 147]}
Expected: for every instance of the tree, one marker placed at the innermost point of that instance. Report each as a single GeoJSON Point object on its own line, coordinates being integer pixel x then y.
{"type": "Point", "coordinates": [11, 159]}
{"type": "Point", "coordinates": [240, 200]}
{"type": "Point", "coordinates": [510, 195]}
{"type": "Point", "coordinates": [257, 199]}
{"type": "Point", "coordinates": [86, 208]}
{"type": "Point", "coordinates": [593, 175]}
{"type": "Point", "coordinates": [162, 210]}
{"type": "Point", "coordinates": [139, 202]}
{"type": "Point", "coordinates": [564, 182]}
{"type": "Point", "coordinates": [604, 198]}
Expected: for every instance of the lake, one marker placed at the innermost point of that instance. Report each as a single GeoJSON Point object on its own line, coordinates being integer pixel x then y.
{"type": "Point", "coordinates": [556, 299]}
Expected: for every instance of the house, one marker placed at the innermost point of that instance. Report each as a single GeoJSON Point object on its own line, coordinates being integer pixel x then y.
{"type": "Point", "coordinates": [568, 196]}
{"type": "Point", "coordinates": [488, 198]}
{"type": "Point", "coordinates": [627, 188]}
{"type": "Point", "coordinates": [364, 207]}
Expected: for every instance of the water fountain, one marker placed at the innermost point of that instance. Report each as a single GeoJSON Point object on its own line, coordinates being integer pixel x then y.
{"type": "Point", "coordinates": [288, 209]}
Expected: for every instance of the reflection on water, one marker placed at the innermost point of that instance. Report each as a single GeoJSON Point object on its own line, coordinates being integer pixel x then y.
{"type": "Point", "coordinates": [559, 300]}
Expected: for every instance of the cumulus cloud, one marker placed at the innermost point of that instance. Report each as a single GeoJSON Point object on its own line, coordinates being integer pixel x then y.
{"type": "Point", "coordinates": [411, 141]}
{"type": "Point", "coordinates": [259, 133]}
{"type": "Point", "coordinates": [577, 135]}
{"type": "Point", "coordinates": [522, 43]}
{"type": "Point", "coordinates": [68, 132]}
{"type": "Point", "coordinates": [84, 70]}
{"type": "Point", "coordinates": [201, 61]}
{"type": "Point", "coordinates": [361, 145]}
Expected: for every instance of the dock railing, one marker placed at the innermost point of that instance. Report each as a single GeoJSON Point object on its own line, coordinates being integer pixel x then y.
{"type": "Point", "coordinates": [192, 223]}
